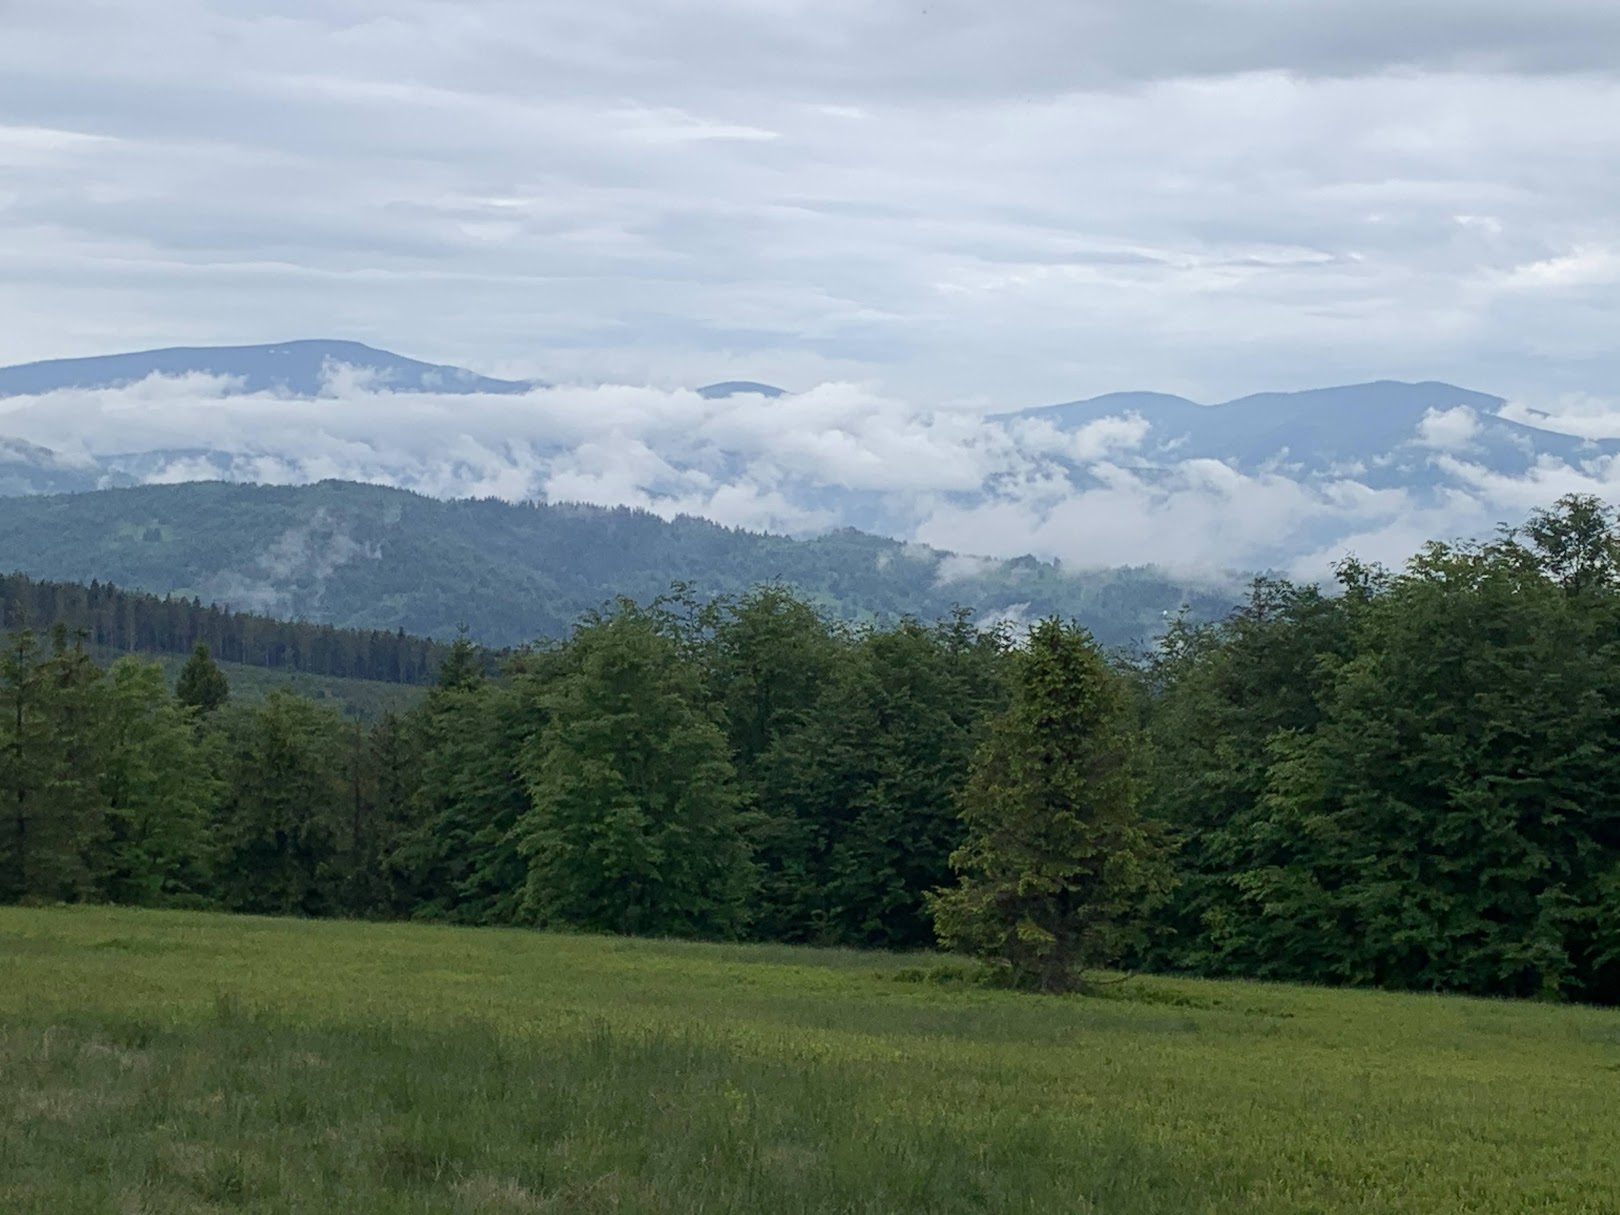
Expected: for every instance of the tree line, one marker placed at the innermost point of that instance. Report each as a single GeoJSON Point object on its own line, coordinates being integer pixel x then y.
{"type": "Point", "coordinates": [115, 621]}
{"type": "Point", "coordinates": [1409, 780]}
{"type": "Point", "coordinates": [1413, 783]}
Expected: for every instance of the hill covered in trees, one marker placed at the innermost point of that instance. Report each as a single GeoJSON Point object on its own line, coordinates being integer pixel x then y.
{"type": "Point", "coordinates": [370, 558]}
{"type": "Point", "coordinates": [364, 673]}
{"type": "Point", "coordinates": [112, 621]}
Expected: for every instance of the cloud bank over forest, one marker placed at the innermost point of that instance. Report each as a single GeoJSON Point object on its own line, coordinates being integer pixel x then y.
{"type": "Point", "coordinates": [1122, 487]}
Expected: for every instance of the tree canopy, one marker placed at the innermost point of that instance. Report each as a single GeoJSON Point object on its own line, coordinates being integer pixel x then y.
{"type": "Point", "coordinates": [1408, 779]}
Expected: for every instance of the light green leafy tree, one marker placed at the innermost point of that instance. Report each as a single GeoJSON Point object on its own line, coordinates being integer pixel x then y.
{"type": "Point", "coordinates": [636, 823]}
{"type": "Point", "coordinates": [157, 787]}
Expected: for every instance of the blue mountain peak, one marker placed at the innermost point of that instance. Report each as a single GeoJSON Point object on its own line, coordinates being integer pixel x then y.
{"type": "Point", "coordinates": [737, 388]}
{"type": "Point", "coordinates": [298, 368]}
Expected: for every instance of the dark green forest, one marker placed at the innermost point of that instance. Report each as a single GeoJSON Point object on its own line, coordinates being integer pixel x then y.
{"type": "Point", "coordinates": [113, 621]}
{"type": "Point", "coordinates": [367, 557]}
{"type": "Point", "coordinates": [1409, 779]}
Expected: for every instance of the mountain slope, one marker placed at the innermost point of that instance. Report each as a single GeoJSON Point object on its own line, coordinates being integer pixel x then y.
{"type": "Point", "coordinates": [298, 368]}
{"type": "Point", "coordinates": [363, 556]}
{"type": "Point", "coordinates": [26, 468]}
{"type": "Point", "coordinates": [114, 620]}
{"type": "Point", "coordinates": [1383, 433]}
{"type": "Point", "coordinates": [736, 388]}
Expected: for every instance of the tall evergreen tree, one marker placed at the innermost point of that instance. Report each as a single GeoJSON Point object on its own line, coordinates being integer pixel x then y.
{"type": "Point", "coordinates": [25, 763]}
{"type": "Point", "coordinates": [907, 722]}
{"type": "Point", "coordinates": [458, 858]}
{"type": "Point", "coordinates": [1058, 871]}
{"type": "Point", "coordinates": [49, 763]}
{"type": "Point", "coordinates": [395, 762]}
{"type": "Point", "coordinates": [201, 684]}
{"type": "Point", "coordinates": [283, 803]}
{"type": "Point", "coordinates": [775, 665]}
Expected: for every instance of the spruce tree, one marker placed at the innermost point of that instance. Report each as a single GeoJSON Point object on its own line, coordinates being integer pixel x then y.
{"type": "Point", "coordinates": [395, 762]}
{"type": "Point", "coordinates": [1058, 868]}
{"type": "Point", "coordinates": [454, 853]}
{"type": "Point", "coordinates": [201, 684]}
{"type": "Point", "coordinates": [50, 757]}
{"type": "Point", "coordinates": [776, 667]}
{"type": "Point", "coordinates": [25, 744]}
{"type": "Point", "coordinates": [283, 805]}
{"type": "Point", "coordinates": [903, 738]}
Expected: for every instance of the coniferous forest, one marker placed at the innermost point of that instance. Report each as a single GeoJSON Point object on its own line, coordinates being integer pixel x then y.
{"type": "Point", "coordinates": [1410, 780]}
{"type": "Point", "coordinates": [112, 620]}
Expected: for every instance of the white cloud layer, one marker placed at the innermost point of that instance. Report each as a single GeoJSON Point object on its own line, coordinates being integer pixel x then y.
{"type": "Point", "coordinates": [957, 201]}
{"type": "Point", "coordinates": [1114, 491]}
{"type": "Point", "coordinates": [1451, 429]}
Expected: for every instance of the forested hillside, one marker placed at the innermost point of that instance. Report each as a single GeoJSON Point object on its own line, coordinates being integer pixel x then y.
{"type": "Point", "coordinates": [371, 558]}
{"type": "Point", "coordinates": [1413, 784]}
{"type": "Point", "coordinates": [113, 621]}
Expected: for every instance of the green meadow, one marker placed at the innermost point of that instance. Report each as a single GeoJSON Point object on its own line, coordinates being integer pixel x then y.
{"type": "Point", "coordinates": [167, 1062]}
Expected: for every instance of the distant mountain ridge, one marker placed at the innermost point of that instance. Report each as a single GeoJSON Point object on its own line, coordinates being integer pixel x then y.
{"type": "Point", "coordinates": [1383, 433]}
{"type": "Point", "coordinates": [368, 557]}
{"type": "Point", "coordinates": [1432, 444]}
{"type": "Point", "coordinates": [298, 368]}
{"type": "Point", "coordinates": [305, 368]}
{"type": "Point", "coordinates": [737, 388]}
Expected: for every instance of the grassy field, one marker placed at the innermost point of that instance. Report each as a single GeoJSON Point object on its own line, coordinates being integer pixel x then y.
{"type": "Point", "coordinates": [169, 1063]}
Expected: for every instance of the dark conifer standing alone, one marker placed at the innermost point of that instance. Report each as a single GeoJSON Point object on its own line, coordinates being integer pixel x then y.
{"type": "Point", "coordinates": [202, 685]}
{"type": "Point", "coordinates": [1058, 869]}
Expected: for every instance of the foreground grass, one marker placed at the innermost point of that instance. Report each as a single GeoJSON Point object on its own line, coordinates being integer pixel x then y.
{"type": "Point", "coordinates": [166, 1062]}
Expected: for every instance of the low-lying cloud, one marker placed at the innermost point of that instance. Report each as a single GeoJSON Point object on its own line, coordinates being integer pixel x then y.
{"type": "Point", "coordinates": [1111, 492]}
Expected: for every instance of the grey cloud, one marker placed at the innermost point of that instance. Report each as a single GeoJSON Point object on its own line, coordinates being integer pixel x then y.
{"type": "Point", "coordinates": [957, 202]}
{"type": "Point", "coordinates": [952, 46]}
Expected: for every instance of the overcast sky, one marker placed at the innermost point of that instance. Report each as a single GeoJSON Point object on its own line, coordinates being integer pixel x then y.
{"type": "Point", "coordinates": [949, 200]}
